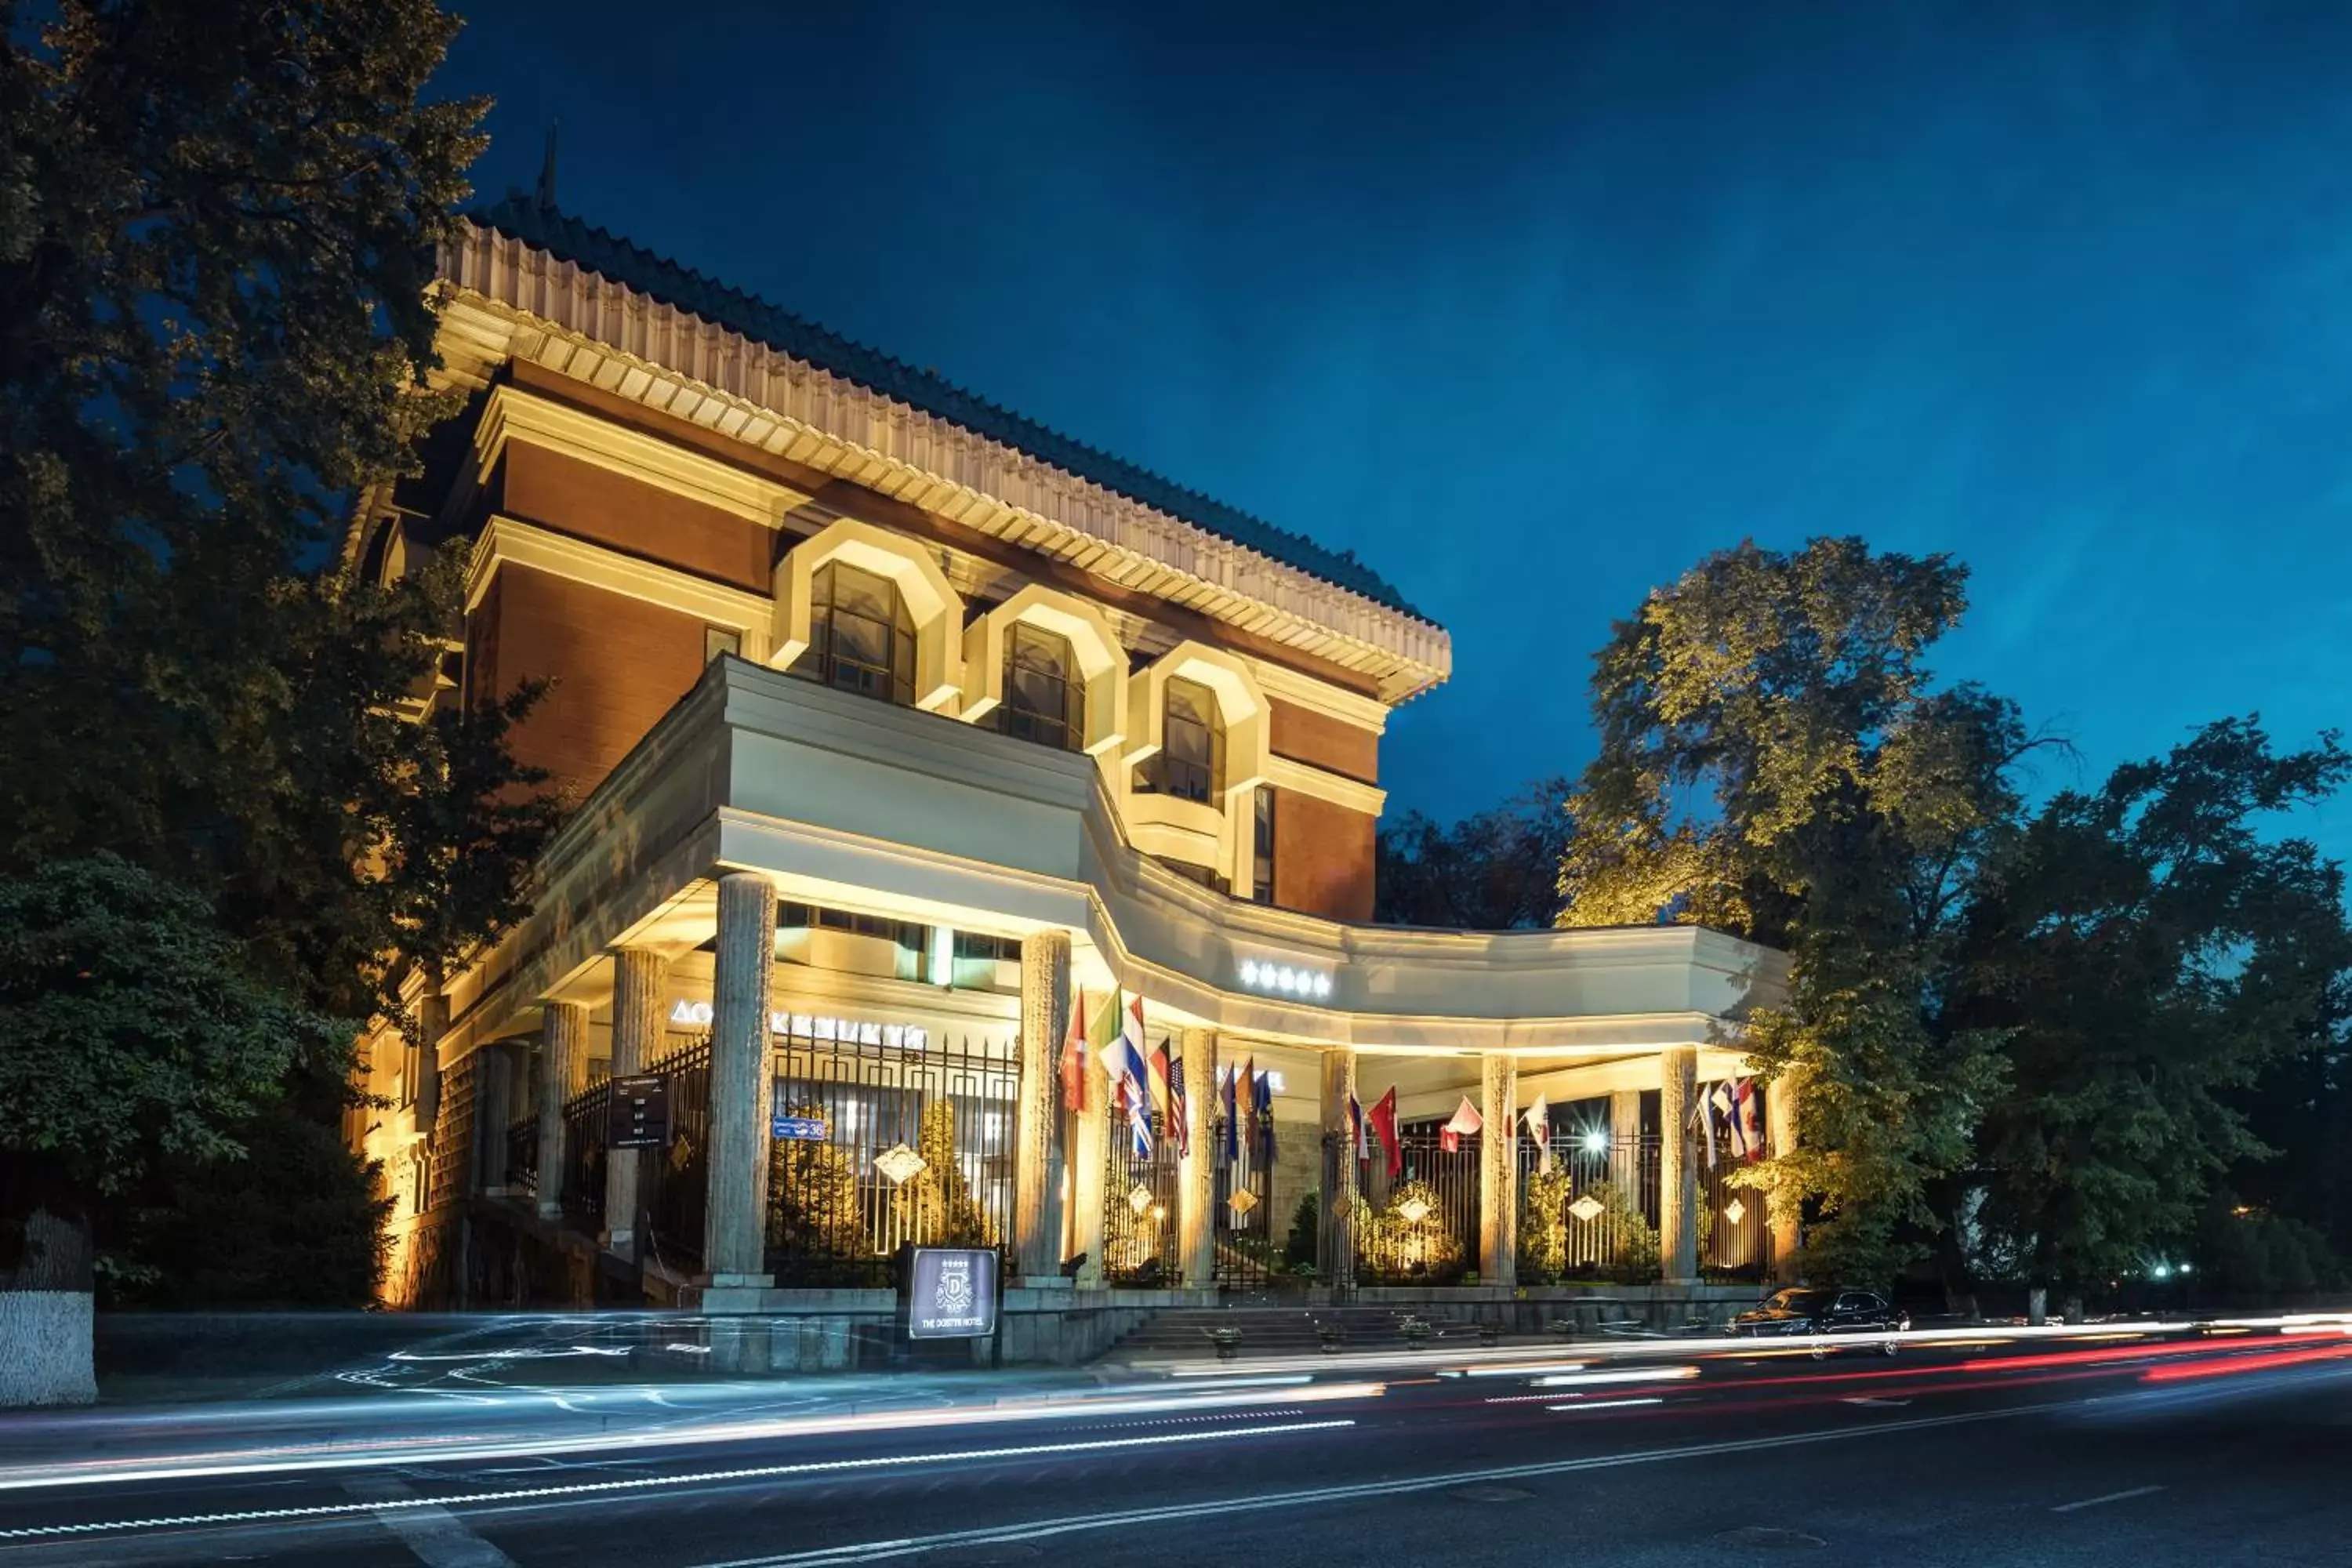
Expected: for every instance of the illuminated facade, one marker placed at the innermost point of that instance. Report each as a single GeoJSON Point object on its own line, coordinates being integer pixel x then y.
{"type": "Point", "coordinates": [897, 727]}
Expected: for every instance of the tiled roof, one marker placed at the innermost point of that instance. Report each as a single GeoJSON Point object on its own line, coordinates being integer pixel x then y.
{"type": "Point", "coordinates": [609, 256]}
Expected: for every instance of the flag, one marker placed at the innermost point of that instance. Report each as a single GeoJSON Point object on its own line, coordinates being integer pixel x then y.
{"type": "Point", "coordinates": [1264, 1094]}
{"type": "Point", "coordinates": [1137, 1076]}
{"type": "Point", "coordinates": [1180, 1120]}
{"type": "Point", "coordinates": [1226, 1079]}
{"type": "Point", "coordinates": [1158, 1064]}
{"type": "Point", "coordinates": [1384, 1121]}
{"type": "Point", "coordinates": [1466, 1119]}
{"type": "Point", "coordinates": [1747, 1139]}
{"type": "Point", "coordinates": [1359, 1146]}
{"type": "Point", "coordinates": [1074, 1057]}
{"type": "Point", "coordinates": [1719, 1101]}
{"type": "Point", "coordinates": [1248, 1091]}
{"type": "Point", "coordinates": [1538, 1121]}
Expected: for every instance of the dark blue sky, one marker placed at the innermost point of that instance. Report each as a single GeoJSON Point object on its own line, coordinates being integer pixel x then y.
{"type": "Point", "coordinates": [1533, 312]}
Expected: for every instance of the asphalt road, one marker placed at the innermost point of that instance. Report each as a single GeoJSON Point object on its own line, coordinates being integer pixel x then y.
{"type": "Point", "coordinates": [2146, 1451]}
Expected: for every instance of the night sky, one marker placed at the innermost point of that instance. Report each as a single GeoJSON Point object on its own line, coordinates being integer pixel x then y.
{"type": "Point", "coordinates": [1532, 313]}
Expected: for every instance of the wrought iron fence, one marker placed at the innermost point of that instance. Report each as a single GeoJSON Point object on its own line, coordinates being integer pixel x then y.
{"type": "Point", "coordinates": [885, 1145]}
{"type": "Point", "coordinates": [586, 1129]}
{"type": "Point", "coordinates": [672, 1181]}
{"type": "Point", "coordinates": [1421, 1226]}
{"type": "Point", "coordinates": [1588, 1208]}
{"type": "Point", "coordinates": [1140, 1208]}
{"type": "Point", "coordinates": [1734, 1235]}
{"type": "Point", "coordinates": [1247, 1239]}
{"type": "Point", "coordinates": [522, 1155]}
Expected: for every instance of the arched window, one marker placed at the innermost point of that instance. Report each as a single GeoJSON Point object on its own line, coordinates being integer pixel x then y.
{"type": "Point", "coordinates": [1191, 761]}
{"type": "Point", "coordinates": [861, 638]}
{"type": "Point", "coordinates": [1045, 697]}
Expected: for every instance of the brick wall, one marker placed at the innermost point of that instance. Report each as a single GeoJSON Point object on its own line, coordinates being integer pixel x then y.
{"type": "Point", "coordinates": [1323, 857]}
{"type": "Point", "coordinates": [1306, 736]}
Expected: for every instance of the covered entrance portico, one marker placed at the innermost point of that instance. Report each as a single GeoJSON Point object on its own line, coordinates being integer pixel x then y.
{"type": "Point", "coordinates": [851, 936]}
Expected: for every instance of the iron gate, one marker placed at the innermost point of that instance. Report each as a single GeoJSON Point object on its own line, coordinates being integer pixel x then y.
{"type": "Point", "coordinates": [1246, 1237]}
{"type": "Point", "coordinates": [1140, 1208]}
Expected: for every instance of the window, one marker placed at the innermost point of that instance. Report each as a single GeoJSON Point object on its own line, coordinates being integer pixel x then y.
{"type": "Point", "coordinates": [1193, 873]}
{"type": "Point", "coordinates": [861, 638]}
{"type": "Point", "coordinates": [976, 947]}
{"type": "Point", "coordinates": [717, 640]}
{"type": "Point", "coordinates": [1044, 699]}
{"type": "Point", "coordinates": [1191, 761]}
{"type": "Point", "coordinates": [1262, 852]}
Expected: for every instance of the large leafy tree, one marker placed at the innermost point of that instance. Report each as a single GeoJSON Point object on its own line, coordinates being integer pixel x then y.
{"type": "Point", "coordinates": [1497, 870]}
{"type": "Point", "coordinates": [1776, 760]}
{"type": "Point", "coordinates": [2146, 952]}
{"type": "Point", "coordinates": [216, 219]}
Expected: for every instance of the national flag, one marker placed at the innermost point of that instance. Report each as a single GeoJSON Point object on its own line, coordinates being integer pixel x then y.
{"type": "Point", "coordinates": [1159, 1064]}
{"type": "Point", "coordinates": [1719, 1101]}
{"type": "Point", "coordinates": [1226, 1080]}
{"type": "Point", "coordinates": [1358, 1134]}
{"type": "Point", "coordinates": [1265, 1090]}
{"type": "Point", "coordinates": [1136, 1074]}
{"type": "Point", "coordinates": [1074, 1057]}
{"type": "Point", "coordinates": [1180, 1118]}
{"type": "Point", "coordinates": [1538, 1121]}
{"type": "Point", "coordinates": [1464, 1120]}
{"type": "Point", "coordinates": [1747, 1141]}
{"type": "Point", "coordinates": [1383, 1122]}
{"type": "Point", "coordinates": [1248, 1091]}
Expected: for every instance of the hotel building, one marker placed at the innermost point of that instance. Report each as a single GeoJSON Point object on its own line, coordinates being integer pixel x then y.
{"type": "Point", "coordinates": [897, 727]}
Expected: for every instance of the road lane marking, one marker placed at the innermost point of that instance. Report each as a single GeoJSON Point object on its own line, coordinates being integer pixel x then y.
{"type": "Point", "coordinates": [2110, 1496]}
{"type": "Point", "coordinates": [648, 1483]}
{"type": "Point", "coordinates": [879, 1551]}
{"type": "Point", "coordinates": [434, 1536]}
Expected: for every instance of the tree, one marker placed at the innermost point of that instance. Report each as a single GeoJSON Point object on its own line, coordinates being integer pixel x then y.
{"type": "Point", "coordinates": [1494, 871]}
{"type": "Point", "coordinates": [131, 1032]}
{"type": "Point", "coordinates": [1776, 762]}
{"type": "Point", "coordinates": [2145, 954]}
{"type": "Point", "coordinates": [215, 227]}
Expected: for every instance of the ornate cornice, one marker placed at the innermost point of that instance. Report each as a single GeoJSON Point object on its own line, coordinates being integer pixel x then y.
{"type": "Point", "coordinates": [506, 299]}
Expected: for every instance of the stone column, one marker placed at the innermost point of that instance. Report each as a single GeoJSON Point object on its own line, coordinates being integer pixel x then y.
{"type": "Point", "coordinates": [639, 977]}
{"type": "Point", "coordinates": [1677, 1172]}
{"type": "Point", "coordinates": [1781, 1099]}
{"type": "Point", "coordinates": [1336, 1203]}
{"type": "Point", "coordinates": [734, 1236]}
{"type": "Point", "coordinates": [1196, 1172]}
{"type": "Point", "coordinates": [1499, 1172]}
{"type": "Point", "coordinates": [1090, 1153]}
{"type": "Point", "coordinates": [563, 1073]}
{"type": "Point", "coordinates": [493, 1108]}
{"type": "Point", "coordinates": [1045, 1019]}
{"type": "Point", "coordinates": [1625, 1145]}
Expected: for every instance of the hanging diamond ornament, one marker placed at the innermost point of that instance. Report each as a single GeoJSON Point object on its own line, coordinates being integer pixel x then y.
{"type": "Point", "coordinates": [901, 1164]}
{"type": "Point", "coordinates": [1586, 1208]}
{"type": "Point", "coordinates": [1735, 1211]}
{"type": "Point", "coordinates": [1414, 1211]}
{"type": "Point", "coordinates": [1140, 1198]}
{"type": "Point", "coordinates": [1242, 1202]}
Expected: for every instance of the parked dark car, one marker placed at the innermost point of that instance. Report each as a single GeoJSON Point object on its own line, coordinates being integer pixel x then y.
{"type": "Point", "coordinates": [1810, 1310]}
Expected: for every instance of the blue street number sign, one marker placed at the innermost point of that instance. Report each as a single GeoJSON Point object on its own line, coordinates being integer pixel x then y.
{"type": "Point", "coordinates": [806, 1129]}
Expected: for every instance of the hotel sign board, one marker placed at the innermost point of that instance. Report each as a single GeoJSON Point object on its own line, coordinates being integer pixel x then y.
{"type": "Point", "coordinates": [637, 1114]}
{"type": "Point", "coordinates": [950, 1293]}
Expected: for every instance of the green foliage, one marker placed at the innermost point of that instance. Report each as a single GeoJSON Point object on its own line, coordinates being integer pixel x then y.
{"type": "Point", "coordinates": [813, 1207]}
{"type": "Point", "coordinates": [2144, 951]}
{"type": "Point", "coordinates": [1776, 762]}
{"type": "Point", "coordinates": [1494, 871]}
{"type": "Point", "coordinates": [1543, 1226]}
{"type": "Point", "coordinates": [946, 1213]}
{"type": "Point", "coordinates": [131, 1034]}
{"type": "Point", "coordinates": [1391, 1249]}
{"type": "Point", "coordinates": [1636, 1261]}
{"type": "Point", "coordinates": [216, 221]}
{"type": "Point", "coordinates": [1304, 1247]}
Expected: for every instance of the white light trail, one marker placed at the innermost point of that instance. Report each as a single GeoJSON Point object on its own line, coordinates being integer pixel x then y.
{"type": "Point", "coordinates": [650, 1483]}
{"type": "Point", "coordinates": [362, 1455]}
{"type": "Point", "coordinates": [1629, 1374]}
{"type": "Point", "coordinates": [1606, 1404]}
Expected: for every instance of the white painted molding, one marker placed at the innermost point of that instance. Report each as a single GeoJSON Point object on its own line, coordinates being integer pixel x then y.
{"type": "Point", "coordinates": [505, 540]}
